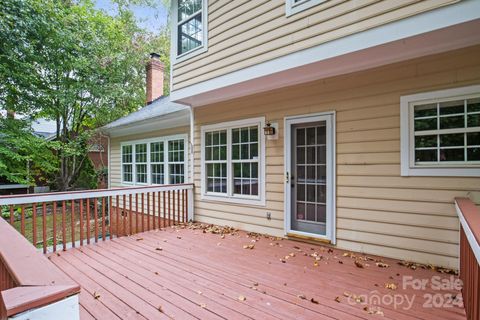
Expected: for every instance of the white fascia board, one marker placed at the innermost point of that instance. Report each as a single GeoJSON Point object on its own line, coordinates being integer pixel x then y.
{"type": "Point", "coordinates": [237, 83]}
{"type": "Point", "coordinates": [173, 120]}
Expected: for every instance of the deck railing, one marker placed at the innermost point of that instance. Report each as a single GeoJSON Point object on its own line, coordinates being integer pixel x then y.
{"type": "Point", "coordinates": [469, 216]}
{"type": "Point", "coordinates": [59, 220]}
{"type": "Point", "coordinates": [29, 282]}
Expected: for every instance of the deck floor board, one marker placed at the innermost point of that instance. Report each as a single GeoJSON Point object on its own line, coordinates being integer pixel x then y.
{"type": "Point", "coordinates": [182, 273]}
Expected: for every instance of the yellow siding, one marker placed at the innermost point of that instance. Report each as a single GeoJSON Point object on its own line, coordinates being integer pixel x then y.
{"type": "Point", "coordinates": [243, 33]}
{"type": "Point", "coordinates": [378, 211]}
{"type": "Point", "coordinates": [115, 152]}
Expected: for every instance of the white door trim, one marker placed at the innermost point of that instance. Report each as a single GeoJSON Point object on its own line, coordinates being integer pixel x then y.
{"type": "Point", "coordinates": [329, 117]}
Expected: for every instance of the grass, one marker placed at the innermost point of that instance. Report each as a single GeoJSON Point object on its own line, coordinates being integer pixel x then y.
{"type": "Point", "coordinates": [49, 217]}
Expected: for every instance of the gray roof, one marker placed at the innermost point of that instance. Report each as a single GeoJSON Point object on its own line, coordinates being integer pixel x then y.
{"type": "Point", "coordinates": [158, 108]}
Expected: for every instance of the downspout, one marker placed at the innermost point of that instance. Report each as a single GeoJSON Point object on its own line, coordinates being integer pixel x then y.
{"type": "Point", "coordinates": [192, 143]}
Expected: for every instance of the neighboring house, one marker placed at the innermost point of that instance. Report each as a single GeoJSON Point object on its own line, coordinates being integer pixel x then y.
{"type": "Point", "coordinates": [376, 105]}
{"type": "Point", "coordinates": [150, 146]}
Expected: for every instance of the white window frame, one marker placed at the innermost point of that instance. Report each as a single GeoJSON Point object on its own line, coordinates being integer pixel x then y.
{"type": "Point", "coordinates": [174, 56]}
{"type": "Point", "coordinates": [166, 172]}
{"type": "Point", "coordinates": [292, 7]}
{"type": "Point", "coordinates": [230, 196]}
{"type": "Point", "coordinates": [407, 142]}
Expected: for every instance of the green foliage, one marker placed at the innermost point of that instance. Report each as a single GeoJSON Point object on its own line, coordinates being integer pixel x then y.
{"type": "Point", "coordinates": [88, 177]}
{"type": "Point", "coordinates": [17, 212]}
{"type": "Point", "coordinates": [67, 62]}
{"type": "Point", "coordinates": [24, 156]}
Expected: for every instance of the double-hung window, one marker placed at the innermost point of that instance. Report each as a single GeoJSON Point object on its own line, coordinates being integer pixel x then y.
{"type": "Point", "coordinates": [233, 160]}
{"type": "Point", "coordinates": [190, 31]}
{"type": "Point", "coordinates": [154, 161]}
{"type": "Point", "coordinates": [441, 133]}
{"type": "Point", "coordinates": [295, 6]}
{"type": "Point", "coordinates": [127, 163]}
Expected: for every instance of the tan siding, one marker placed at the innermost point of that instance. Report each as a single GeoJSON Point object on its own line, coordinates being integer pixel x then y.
{"type": "Point", "coordinates": [115, 152]}
{"type": "Point", "coordinates": [378, 211]}
{"type": "Point", "coordinates": [244, 33]}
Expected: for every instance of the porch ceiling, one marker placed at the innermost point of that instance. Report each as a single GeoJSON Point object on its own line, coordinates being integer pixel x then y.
{"type": "Point", "coordinates": [188, 274]}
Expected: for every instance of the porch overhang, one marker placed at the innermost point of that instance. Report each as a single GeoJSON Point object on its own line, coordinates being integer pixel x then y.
{"type": "Point", "coordinates": [445, 29]}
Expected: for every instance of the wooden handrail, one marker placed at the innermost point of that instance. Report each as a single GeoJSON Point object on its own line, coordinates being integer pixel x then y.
{"type": "Point", "coordinates": [469, 216]}
{"type": "Point", "coordinates": [97, 193]}
{"type": "Point", "coordinates": [34, 281]}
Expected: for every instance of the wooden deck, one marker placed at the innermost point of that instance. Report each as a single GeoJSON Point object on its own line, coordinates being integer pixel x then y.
{"type": "Point", "coordinates": [184, 273]}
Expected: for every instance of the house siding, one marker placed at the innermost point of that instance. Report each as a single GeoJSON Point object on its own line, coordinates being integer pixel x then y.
{"type": "Point", "coordinates": [244, 33]}
{"type": "Point", "coordinates": [115, 151]}
{"type": "Point", "coordinates": [378, 211]}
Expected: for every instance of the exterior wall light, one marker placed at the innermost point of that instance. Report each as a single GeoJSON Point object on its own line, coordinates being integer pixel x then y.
{"type": "Point", "coordinates": [270, 131]}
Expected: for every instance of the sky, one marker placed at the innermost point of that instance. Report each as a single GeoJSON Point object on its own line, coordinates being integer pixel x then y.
{"type": "Point", "coordinates": [149, 18]}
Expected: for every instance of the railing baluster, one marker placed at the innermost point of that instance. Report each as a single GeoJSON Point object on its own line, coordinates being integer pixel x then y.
{"type": "Point", "coordinates": [169, 212]}
{"type": "Point", "coordinates": [110, 200]}
{"type": "Point", "coordinates": [11, 214]}
{"type": "Point", "coordinates": [22, 219]}
{"type": "Point", "coordinates": [34, 224]}
{"type": "Point", "coordinates": [103, 218]}
{"type": "Point", "coordinates": [164, 209]}
{"type": "Point", "coordinates": [173, 207]}
{"type": "Point", "coordinates": [124, 209]}
{"type": "Point", "coordinates": [64, 225]}
{"type": "Point", "coordinates": [153, 210]}
{"type": "Point", "coordinates": [148, 210]}
{"type": "Point", "coordinates": [72, 222]}
{"type": "Point", "coordinates": [186, 205]}
{"type": "Point", "coordinates": [81, 222]}
{"type": "Point", "coordinates": [159, 210]}
{"type": "Point", "coordinates": [54, 221]}
{"type": "Point", "coordinates": [117, 200]}
{"type": "Point", "coordinates": [130, 222]}
{"type": "Point", "coordinates": [44, 226]}
{"type": "Point", "coordinates": [95, 218]}
{"type": "Point", "coordinates": [88, 220]}
{"type": "Point", "coordinates": [136, 214]}
{"type": "Point", "coordinates": [179, 219]}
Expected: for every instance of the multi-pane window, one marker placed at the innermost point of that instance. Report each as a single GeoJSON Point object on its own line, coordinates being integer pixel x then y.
{"type": "Point", "coordinates": [176, 158]}
{"type": "Point", "coordinates": [155, 161]}
{"type": "Point", "coordinates": [245, 160]}
{"type": "Point", "coordinates": [216, 161]}
{"type": "Point", "coordinates": [232, 161]}
{"type": "Point", "coordinates": [447, 132]}
{"type": "Point", "coordinates": [189, 25]}
{"type": "Point", "coordinates": [141, 163]}
{"type": "Point", "coordinates": [157, 169]}
{"type": "Point", "coordinates": [127, 163]}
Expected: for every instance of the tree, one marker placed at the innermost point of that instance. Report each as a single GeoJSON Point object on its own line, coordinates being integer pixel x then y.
{"type": "Point", "coordinates": [66, 61]}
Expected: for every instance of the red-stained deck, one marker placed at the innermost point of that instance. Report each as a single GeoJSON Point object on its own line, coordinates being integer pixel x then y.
{"type": "Point", "coordinates": [188, 274]}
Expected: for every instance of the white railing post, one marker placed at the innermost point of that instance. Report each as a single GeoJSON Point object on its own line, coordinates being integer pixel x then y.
{"type": "Point", "coordinates": [190, 204]}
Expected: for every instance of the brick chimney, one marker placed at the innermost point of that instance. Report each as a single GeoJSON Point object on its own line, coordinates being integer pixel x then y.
{"type": "Point", "coordinates": [155, 70]}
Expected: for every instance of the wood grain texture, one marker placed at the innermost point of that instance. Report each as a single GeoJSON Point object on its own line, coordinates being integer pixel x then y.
{"type": "Point", "coordinates": [198, 275]}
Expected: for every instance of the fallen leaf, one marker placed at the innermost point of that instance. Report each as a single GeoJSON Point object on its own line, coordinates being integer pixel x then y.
{"type": "Point", "coordinates": [96, 295]}
{"type": "Point", "coordinates": [283, 260]}
{"type": "Point", "coordinates": [160, 309]}
{"type": "Point", "coordinates": [358, 264]}
{"type": "Point", "coordinates": [340, 261]}
{"type": "Point", "coordinates": [203, 305]}
{"type": "Point", "coordinates": [139, 239]}
{"type": "Point", "coordinates": [302, 296]}
{"type": "Point", "coordinates": [159, 249]}
{"type": "Point", "coordinates": [337, 299]}
{"type": "Point", "coordinates": [330, 250]}
{"type": "Point", "coordinates": [255, 284]}
{"type": "Point", "coordinates": [315, 263]}
{"type": "Point", "coordinates": [199, 292]}
{"type": "Point", "coordinates": [391, 286]}
{"type": "Point", "coordinates": [222, 236]}
{"type": "Point", "coordinates": [242, 298]}
{"type": "Point", "coordinates": [178, 237]}
{"type": "Point", "coordinates": [313, 301]}
{"type": "Point", "coordinates": [382, 265]}
{"type": "Point", "coordinates": [372, 310]}
{"type": "Point", "coordinates": [156, 272]}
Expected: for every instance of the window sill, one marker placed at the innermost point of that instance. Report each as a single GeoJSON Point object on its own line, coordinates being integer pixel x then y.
{"type": "Point", "coordinates": [441, 172]}
{"type": "Point", "coordinates": [190, 54]}
{"type": "Point", "coordinates": [235, 200]}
